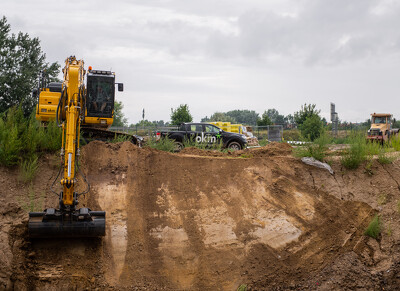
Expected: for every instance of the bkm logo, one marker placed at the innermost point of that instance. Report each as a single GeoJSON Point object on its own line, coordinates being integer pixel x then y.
{"type": "Point", "coordinates": [206, 138]}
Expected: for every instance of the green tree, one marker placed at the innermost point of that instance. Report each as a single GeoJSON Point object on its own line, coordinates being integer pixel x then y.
{"type": "Point", "coordinates": [275, 117]}
{"type": "Point", "coordinates": [289, 119]}
{"type": "Point", "coordinates": [181, 114]}
{"type": "Point", "coordinates": [21, 61]}
{"type": "Point", "coordinates": [312, 127]}
{"type": "Point", "coordinates": [219, 116]}
{"type": "Point", "coordinates": [119, 117]}
{"type": "Point", "coordinates": [305, 111]}
{"type": "Point", "coordinates": [247, 117]}
{"type": "Point", "coordinates": [264, 120]}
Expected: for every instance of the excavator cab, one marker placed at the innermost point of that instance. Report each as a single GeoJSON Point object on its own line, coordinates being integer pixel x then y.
{"type": "Point", "coordinates": [100, 94]}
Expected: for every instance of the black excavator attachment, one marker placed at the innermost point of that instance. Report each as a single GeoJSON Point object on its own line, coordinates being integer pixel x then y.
{"type": "Point", "coordinates": [56, 223]}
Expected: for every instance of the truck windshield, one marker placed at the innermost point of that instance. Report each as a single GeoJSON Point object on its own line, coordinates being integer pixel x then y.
{"type": "Point", "coordinates": [378, 119]}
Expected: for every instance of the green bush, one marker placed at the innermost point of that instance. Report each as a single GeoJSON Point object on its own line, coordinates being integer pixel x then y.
{"type": "Point", "coordinates": [164, 144]}
{"type": "Point", "coordinates": [395, 143]}
{"type": "Point", "coordinates": [120, 138]}
{"type": "Point", "coordinates": [374, 228]}
{"type": "Point", "coordinates": [28, 169]}
{"type": "Point", "coordinates": [11, 126]}
{"type": "Point", "coordinates": [317, 149]}
{"type": "Point", "coordinates": [357, 153]}
{"type": "Point", "coordinates": [292, 134]}
{"type": "Point", "coordinates": [385, 159]}
{"type": "Point", "coordinates": [312, 127]}
{"type": "Point", "coordinates": [50, 137]}
{"type": "Point", "coordinates": [24, 138]}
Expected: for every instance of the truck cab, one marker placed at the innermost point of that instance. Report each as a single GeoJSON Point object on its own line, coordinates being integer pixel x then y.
{"type": "Point", "coordinates": [381, 128]}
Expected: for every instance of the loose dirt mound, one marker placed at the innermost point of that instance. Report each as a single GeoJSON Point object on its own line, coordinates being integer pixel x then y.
{"type": "Point", "coordinates": [206, 221]}
{"type": "Point", "coordinates": [272, 149]}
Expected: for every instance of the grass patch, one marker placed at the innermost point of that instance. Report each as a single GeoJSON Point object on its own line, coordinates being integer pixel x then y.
{"type": "Point", "coordinates": [28, 169]}
{"type": "Point", "coordinates": [368, 168]}
{"type": "Point", "coordinates": [242, 287]}
{"type": "Point", "coordinates": [120, 138]}
{"type": "Point", "coordinates": [22, 137]}
{"type": "Point", "coordinates": [389, 229]}
{"type": "Point", "coordinates": [374, 228]}
{"type": "Point", "coordinates": [164, 144]}
{"type": "Point", "coordinates": [395, 143]}
{"type": "Point", "coordinates": [385, 159]}
{"type": "Point", "coordinates": [263, 142]}
{"type": "Point", "coordinates": [32, 202]}
{"type": "Point", "coordinates": [317, 149]}
{"type": "Point", "coordinates": [361, 150]}
{"type": "Point", "coordinates": [246, 156]}
{"type": "Point", "coordinates": [382, 199]}
{"type": "Point", "coordinates": [292, 134]}
{"type": "Point", "coordinates": [357, 153]}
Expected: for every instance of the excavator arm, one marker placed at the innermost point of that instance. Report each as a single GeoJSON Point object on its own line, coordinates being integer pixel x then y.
{"type": "Point", "coordinates": [73, 86]}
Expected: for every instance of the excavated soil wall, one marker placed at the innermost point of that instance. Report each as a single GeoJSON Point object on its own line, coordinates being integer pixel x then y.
{"type": "Point", "coordinates": [203, 220]}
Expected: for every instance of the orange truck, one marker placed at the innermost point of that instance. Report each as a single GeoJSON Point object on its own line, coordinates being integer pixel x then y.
{"type": "Point", "coordinates": [381, 128]}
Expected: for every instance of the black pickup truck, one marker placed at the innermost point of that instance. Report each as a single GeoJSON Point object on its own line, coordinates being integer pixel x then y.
{"type": "Point", "coordinates": [204, 133]}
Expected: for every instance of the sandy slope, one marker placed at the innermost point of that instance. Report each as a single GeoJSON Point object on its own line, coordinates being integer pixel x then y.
{"type": "Point", "coordinates": [200, 220]}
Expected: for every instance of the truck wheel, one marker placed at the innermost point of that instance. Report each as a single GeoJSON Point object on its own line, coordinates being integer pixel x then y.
{"type": "Point", "coordinates": [178, 146]}
{"type": "Point", "coordinates": [235, 146]}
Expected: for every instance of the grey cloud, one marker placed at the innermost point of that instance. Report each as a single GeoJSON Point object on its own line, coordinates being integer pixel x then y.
{"type": "Point", "coordinates": [313, 36]}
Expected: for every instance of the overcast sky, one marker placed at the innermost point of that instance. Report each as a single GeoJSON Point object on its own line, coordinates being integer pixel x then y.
{"type": "Point", "coordinates": [221, 55]}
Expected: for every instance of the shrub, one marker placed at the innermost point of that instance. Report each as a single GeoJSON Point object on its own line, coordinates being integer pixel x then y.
{"type": "Point", "coordinates": [120, 138]}
{"type": "Point", "coordinates": [395, 143]}
{"type": "Point", "coordinates": [374, 228]}
{"type": "Point", "coordinates": [24, 137]}
{"type": "Point", "coordinates": [317, 150]}
{"type": "Point", "coordinates": [357, 153]}
{"type": "Point", "coordinates": [163, 144]}
{"type": "Point", "coordinates": [10, 145]}
{"type": "Point", "coordinates": [292, 134]}
{"type": "Point", "coordinates": [384, 159]}
{"type": "Point", "coordinates": [51, 137]}
{"type": "Point", "coordinates": [28, 169]}
{"type": "Point", "coordinates": [312, 127]}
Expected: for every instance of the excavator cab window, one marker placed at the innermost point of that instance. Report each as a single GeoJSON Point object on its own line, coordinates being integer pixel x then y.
{"type": "Point", "coordinates": [100, 95]}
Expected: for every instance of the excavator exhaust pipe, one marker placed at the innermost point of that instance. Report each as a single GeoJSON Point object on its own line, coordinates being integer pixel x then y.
{"type": "Point", "coordinates": [55, 223]}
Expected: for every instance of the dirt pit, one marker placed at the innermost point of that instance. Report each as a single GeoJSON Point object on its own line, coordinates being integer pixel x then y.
{"type": "Point", "coordinates": [198, 220]}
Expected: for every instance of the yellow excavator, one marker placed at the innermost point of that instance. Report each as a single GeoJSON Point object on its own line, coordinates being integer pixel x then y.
{"type": "Point", "coordinates": [76, 108]}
